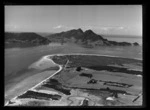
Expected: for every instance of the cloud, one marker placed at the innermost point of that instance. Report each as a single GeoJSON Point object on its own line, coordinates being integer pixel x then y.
{"type": "Point", "coordinates": [11, 26]}
{"type": "Point", "coordinates": [104, 28]}
{"type": "Point", "coordinates": [120, 28]}
{"type": "Point", "coordinates": [100, 28]}
{"type": "Point", "coordinates": [63, 27]}
{"type": "Point", "coordinates": [58, 27]}
{"type": "Point", "coordinates": [110, 28]}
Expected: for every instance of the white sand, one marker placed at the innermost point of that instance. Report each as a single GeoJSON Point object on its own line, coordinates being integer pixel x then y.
{"type": "Point", "coordinates": [24, 86]}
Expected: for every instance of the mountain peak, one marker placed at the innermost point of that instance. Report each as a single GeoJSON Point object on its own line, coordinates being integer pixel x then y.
{"type": "Point", "coordinates": [89, 32]}
{"type": "Point", "coordinates": [80, 30]}
{"type": "Point", "coordinates": [76, 30]}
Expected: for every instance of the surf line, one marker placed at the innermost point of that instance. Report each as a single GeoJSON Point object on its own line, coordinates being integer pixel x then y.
{"type": "Point", "coordinates": [47, 57]}
{"type": "Point", "coordinates": [91, 55]}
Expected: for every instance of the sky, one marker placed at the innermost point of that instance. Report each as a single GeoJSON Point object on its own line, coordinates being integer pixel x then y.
{"type": "Point", "coordinates": [102, 19]}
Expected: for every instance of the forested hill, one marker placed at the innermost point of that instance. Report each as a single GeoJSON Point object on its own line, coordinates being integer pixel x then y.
{"type": "Point", "coordinates": [87, 38]}
{"type": "Point", "coordinates": [24, 39]}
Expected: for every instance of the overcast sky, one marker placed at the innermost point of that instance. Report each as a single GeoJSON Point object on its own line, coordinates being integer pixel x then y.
{"type": "Point", "coordinates": [102, 19]}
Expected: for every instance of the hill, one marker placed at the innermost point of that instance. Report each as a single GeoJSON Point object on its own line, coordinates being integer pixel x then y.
{"type": "Point", "coordinates": [44, 34]}
{"type": "Point", "coordinates": [87, 38]}
{"type": "Point", "coordinates": [24, 39]}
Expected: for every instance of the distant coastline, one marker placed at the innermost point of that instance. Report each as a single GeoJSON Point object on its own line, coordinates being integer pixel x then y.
{"type": "Point", "coordinates": [123, 38]}
{"type": "Point", "coordinates": [87, 39]}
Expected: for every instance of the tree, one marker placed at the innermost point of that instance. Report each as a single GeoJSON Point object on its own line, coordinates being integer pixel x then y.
{"type": "Point", "coordinates": [78, 69]}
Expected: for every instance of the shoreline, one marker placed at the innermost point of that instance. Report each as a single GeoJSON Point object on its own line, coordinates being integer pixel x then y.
{"type": "Point", "coordinates": [43, 58]}
{"type": "Point", "coordinates": [48, 57]}
{"type": "Point", "coordinates": [91, 55]}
